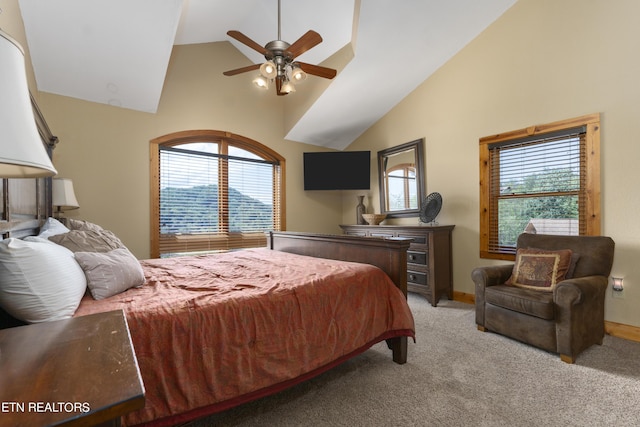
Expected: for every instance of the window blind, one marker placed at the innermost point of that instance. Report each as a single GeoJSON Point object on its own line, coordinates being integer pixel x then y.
{"type": "Point", "coordinates": [214, 202]}
{"type": "Point", "coordinates": [537, 185]}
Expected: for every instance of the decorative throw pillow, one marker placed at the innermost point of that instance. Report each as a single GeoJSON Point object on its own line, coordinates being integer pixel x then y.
{"type": "Point", "coordinates": [52, 227]}
{"type": "Point", "coordinates": [575, 257]}
{"type": "Point", "coordinates": [540, 269]}
{"type": "Point", "coordinates": [110, 273]}
{"type": "Point", "coordinates": [39, 281]}
{"type": "Point", "coordinates": [88, 241]}
{"type": "Point", "coordinates": [83, 225]}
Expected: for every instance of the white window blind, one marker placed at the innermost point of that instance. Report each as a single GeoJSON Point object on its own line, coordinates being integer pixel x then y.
{"type": "Point", "coordinates": [537, 185]}
{"type": "Point", "coordinates": [214, 202]}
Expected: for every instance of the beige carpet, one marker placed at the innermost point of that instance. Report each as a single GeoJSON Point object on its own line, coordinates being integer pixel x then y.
{"type": "Point", "coordinates": [458, 376]}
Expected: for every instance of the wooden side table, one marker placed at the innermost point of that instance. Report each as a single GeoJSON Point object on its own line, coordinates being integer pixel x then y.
{"type": "Point", "coordinates": [76, 372]}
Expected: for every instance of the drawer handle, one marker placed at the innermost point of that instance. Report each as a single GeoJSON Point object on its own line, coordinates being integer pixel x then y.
{"type": "Point", "coordinates": [413, 277]}
{"type": "Point", "coordinates": [412, 257]}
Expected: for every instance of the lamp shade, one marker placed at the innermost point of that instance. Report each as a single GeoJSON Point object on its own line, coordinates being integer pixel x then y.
{"type": "Point", "coordinates": [261, 82]}
{"type": "Point", "coordinates": [269, 70]}
{"type": "Point", "coordinates": [22, 153]}
{"type": "Point", "coordinates": [63, 196]}
{"type": "Point", "coordinates": [297, 75]}
{"type": "Point", "coordinates": [287, 87]}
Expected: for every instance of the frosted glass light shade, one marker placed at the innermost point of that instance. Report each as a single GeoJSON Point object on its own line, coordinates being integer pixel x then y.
{"type": "Point", "coordinates": [287, 87]}
{"type": "Point", "coordinates": [22, 153]}
{"type": "Point", "coordinates": [297, 75]}
{"type": "Point", "coordinates": [269, 70]}
{"type": "Point", "coordinates": [261, 82]}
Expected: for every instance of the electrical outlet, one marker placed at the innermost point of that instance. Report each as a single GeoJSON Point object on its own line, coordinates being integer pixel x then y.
{"type": "Point", "coordinates": [617, 294]}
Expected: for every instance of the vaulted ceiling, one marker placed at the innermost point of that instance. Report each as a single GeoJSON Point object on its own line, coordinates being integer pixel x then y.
{"type": "Point", "coordinates": [117, 51]}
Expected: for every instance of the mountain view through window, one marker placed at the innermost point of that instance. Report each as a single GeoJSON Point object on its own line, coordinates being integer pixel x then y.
{"type": "Point", "coordinates": [214, 196]}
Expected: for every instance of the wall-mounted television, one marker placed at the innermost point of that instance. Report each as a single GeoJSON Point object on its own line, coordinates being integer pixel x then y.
{"type": "Point", "coordinates": [337, 170]}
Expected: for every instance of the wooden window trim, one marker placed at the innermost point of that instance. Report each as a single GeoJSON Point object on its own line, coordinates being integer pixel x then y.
{"type": "Point", "coordinates": [225, 139]}
{"type": "Point", "coordinates": [592, 204]}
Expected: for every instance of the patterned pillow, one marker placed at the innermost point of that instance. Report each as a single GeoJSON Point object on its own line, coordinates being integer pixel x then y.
{"type": "Point", "coordinates": [540, 269]}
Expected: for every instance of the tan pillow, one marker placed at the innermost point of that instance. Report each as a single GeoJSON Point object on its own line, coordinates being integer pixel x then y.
{"type": "Point", "coordinates": [110, 273]}
{"type": "Point", "coordinates": [540, 269]}
{"type": "Point", "coordinates": [88, 241]}
{"type": "Point", "coordinates": [82, 225]}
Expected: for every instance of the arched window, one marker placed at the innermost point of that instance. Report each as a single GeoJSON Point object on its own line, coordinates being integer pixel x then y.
{"type": "Point", "coordinates": [213, 191]}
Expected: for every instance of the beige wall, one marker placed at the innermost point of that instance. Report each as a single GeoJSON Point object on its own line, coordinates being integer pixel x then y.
{"type": "Point", "coordinates": [105, 150]}
{"type": "Point", "coordinates": [542, 61]}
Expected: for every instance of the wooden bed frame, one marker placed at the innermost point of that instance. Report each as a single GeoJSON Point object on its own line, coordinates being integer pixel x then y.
{"type": "Point", "coordinates": [390, 255]}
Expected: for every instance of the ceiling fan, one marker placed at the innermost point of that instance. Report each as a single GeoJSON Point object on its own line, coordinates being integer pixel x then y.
{"type": "Point", "coordinates": [281, 65]}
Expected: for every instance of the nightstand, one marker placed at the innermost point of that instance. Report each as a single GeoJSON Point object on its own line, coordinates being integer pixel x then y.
{"type": "Point", "coordinates": [77, 372]}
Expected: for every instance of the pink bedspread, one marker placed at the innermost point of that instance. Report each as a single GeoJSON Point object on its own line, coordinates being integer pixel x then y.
{"type": "Point", "coordinates": [211, 332]}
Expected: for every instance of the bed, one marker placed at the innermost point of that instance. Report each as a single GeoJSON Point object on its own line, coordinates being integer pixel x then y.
{"type": "Point", "coordinates": [209, 332]}
{"type": "Point", "coordinates": [215, 331]}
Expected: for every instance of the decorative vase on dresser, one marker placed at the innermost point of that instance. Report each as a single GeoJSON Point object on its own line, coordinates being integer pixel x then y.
{"type": "Point", "coordinates": [429, 258]}
{"type": "Point", "coordinates": [360, 209]}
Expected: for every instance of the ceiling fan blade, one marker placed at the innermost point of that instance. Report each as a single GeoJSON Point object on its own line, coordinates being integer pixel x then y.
{"type": "Point", "coordinates": [247, 41]}
{"type": "Point", "coordinates": [317, 70]}
{"type": "Point", "coordinates": [242, 70]}
{"type": "Point", "coordinates": [304, 43]}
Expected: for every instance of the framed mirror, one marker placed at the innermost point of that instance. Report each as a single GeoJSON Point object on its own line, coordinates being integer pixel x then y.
{"type": "Point", "coordinates": [401, 179]}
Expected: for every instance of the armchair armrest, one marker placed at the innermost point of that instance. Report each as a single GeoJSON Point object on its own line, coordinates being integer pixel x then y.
{"type": "Point", "coordinates": [580, 314]}
{"type": "Point", "coordinates": [576, 290]}
{"type": "Point", "coordinates": [488, 276]}
{"type": "Point", "coordinates": [491, 275]}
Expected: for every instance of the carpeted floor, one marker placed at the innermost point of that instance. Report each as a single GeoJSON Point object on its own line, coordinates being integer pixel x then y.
{"type": "Point", "coordinates": [458, 376]}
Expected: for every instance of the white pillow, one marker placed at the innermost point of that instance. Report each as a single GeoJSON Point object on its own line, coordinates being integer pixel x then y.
{"type": "Point", "coordinates": [39, 280]}
{"type": "Point", "coordinates": [110, 273]}
{"type": "Point", "coordinates": [52, 227]}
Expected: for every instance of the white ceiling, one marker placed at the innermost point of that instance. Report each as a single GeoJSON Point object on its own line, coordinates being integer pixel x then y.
{"type": "Point", "coordinates": [117, 51]}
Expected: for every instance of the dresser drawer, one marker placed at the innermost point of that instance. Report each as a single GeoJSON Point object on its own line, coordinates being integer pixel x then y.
{"type": "Point", "coordinates": [417, 257]}
{"type": "Point", "coordinates": [417, 277]}
{"type": "Point", "coordinates": [380, 234]}
{"type": "Point", "coordinates": [356, 233]}
{"type": "Point", "coordinates": [417, 238]}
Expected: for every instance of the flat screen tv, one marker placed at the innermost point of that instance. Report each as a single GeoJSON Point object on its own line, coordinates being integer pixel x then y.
{"type": "Point", "coordinates": [337, 170]}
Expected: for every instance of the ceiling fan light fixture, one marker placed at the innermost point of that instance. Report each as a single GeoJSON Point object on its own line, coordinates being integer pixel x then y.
{"type": "Point", "coordinates": [269, 70]}
{"type": "Point", "coordinates": [261, 82]}
{"type": "Point", "coordinates": [287, 87]}
{"type": "Point", "coordinates": [297, 75]}
{"type": "Point", "coordinates": [280, 55]}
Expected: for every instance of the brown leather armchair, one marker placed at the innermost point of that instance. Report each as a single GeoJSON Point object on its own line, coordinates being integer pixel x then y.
{"type": "Point", "coordinates": [565, 321]}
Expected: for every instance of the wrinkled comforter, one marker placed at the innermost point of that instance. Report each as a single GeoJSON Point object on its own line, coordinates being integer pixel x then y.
{"type": "Point", "coordinates": [211, 332]}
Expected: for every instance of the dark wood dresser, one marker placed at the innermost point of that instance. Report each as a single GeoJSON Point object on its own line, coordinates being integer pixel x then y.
{"type": "Point", "coordinates": [429, 259]}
